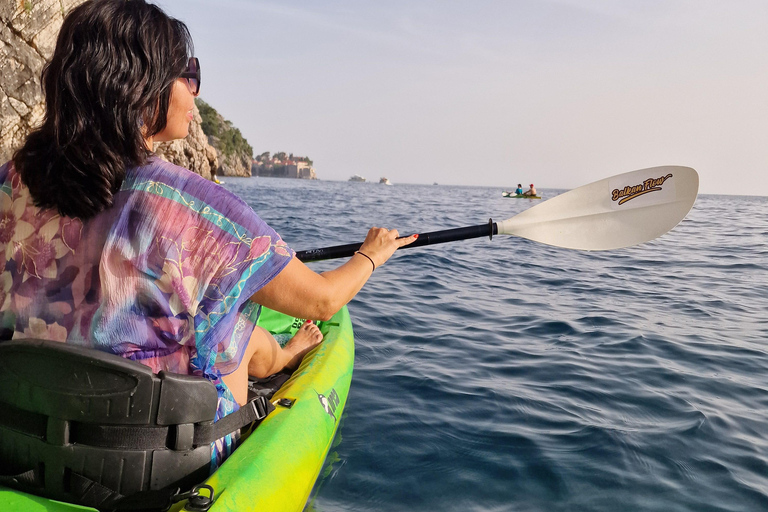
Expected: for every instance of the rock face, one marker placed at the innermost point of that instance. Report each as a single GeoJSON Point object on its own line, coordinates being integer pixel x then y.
{"type": "Point", "coordinates": [28, 31]}
{"type": "Point", "coordinates": [238, 164]}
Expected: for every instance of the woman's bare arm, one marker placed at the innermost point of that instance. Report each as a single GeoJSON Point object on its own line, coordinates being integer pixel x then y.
{"type": "Point", "coordinates": [299, 291]}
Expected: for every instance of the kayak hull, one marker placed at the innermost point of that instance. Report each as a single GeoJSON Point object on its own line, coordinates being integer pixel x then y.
{"type": "Point", "coordinates": [518, 196]}
{"type": "Point", "coordinates": [276, 465]}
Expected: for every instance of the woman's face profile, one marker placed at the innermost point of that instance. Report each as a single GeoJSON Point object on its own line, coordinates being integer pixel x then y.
{"type": "Point", "coordinates": [180, 113]}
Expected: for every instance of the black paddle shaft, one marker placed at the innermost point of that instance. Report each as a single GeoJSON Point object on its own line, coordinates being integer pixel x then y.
{"type": "Point", "coordinates": [435, 237]}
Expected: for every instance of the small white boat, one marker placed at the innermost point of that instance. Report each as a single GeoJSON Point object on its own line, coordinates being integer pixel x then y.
{"type": "Point", "coordinates": [385, 181]}
{"type": "Point", "coordinates": [357, 177]}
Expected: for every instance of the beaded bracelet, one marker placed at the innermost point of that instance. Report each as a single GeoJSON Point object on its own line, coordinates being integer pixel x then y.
{"type": "Point", "coordinates": [369, 259]}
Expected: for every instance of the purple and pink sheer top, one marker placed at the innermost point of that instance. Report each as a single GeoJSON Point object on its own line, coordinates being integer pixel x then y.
{"type": "Point", "coordinates": [163, 277]}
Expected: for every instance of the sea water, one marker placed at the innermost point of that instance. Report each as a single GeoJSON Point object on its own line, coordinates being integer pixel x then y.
{"type": "Point", "coordinates": [507, 375]}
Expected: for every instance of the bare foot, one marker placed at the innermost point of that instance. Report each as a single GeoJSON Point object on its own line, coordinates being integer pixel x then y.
{"type": "Point", "coordinates": [306, 338]}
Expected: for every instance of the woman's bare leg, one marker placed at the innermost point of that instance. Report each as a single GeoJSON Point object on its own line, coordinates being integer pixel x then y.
{"type": "Point", "coordinates": [264, 356]}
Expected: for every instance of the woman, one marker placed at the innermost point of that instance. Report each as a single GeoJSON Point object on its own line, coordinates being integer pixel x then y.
{"type": "Point", "coordinates": [104, 245]}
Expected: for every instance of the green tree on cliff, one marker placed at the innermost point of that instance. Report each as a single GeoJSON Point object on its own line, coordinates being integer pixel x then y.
{"type": "Point", "coordinates": [230, 140]}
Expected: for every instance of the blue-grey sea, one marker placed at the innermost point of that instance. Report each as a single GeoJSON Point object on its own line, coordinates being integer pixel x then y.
{"type": "Point", "coordinates": [507, 375]}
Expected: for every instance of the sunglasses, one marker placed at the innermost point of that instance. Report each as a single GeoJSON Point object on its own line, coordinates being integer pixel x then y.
{"type": "Point", "coordinates": [192, 75]}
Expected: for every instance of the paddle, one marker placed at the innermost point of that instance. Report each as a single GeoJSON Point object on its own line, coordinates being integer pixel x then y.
{"type": "Point", "coordinates": [621, 211]}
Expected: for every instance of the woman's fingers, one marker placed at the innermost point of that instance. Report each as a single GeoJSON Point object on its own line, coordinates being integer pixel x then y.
{"type": "Point", "coordinates": [380, 244]}
{"type": "Point", "coordinates": [406, 240]}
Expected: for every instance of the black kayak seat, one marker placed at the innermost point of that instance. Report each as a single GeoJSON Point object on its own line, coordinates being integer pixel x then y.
{"type": "Point", "coordinates": [73, 414]}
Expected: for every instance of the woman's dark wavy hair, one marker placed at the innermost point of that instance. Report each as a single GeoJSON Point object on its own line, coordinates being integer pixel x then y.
{"type": "Point", "coordinates": [107, 86]}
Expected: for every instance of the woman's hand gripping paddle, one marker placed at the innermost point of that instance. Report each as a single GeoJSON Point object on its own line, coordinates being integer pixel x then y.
{"type": "Point", "coordinates": [621, 211]}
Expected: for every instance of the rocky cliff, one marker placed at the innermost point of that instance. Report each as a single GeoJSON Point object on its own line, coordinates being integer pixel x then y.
{"type": "Point", "coordinates": [234, 153]}
{"type": "Point", "coordinates": [28, 33]}
{"type": "Point", "coordinates": [28, 30]}
{"type": "Point", "coordinates": [231, 165]}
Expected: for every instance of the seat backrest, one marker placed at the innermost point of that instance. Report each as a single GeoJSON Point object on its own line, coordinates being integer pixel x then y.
{"type": "Point", "coordinates": [60, 405]}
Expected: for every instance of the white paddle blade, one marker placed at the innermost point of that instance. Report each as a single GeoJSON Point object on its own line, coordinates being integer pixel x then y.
{"type": "Point", "coordinates": [616, 212]}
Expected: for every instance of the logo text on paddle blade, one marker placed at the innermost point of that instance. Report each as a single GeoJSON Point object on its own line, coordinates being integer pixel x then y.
{"type": "Point", "coordinates": [623, 195]}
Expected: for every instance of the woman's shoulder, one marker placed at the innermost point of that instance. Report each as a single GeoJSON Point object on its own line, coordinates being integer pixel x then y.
{"type": "Point", "coordinates": [162, 170]}
{"type": "Point", "coordinates": [162, 178]}
{"type": "Point", "coordinates": [175, 178]}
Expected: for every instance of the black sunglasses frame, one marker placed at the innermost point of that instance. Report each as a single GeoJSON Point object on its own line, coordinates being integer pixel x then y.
{"type": "Point", "coordinates": [193, 75]}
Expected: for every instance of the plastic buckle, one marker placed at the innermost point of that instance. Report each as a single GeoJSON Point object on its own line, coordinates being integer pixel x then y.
{"type": "Point", "coordinates": [260, 407]}
{"type": "Point", "coordinates": [184, 438]}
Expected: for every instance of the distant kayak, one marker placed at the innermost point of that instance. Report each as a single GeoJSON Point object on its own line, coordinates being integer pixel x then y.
{"type": "Point", "coordinates": [518, 196]}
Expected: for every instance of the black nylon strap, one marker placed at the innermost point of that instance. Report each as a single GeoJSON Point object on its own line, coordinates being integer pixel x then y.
{"type": "Point", "coordinates": [90, 493]}
{"type": "Point", "coordinates": [30, 423]}
{"type": "Point", "coordinates": [159, 437]}
{"type": "Point", "coordinates": [27, 479]}
{"type": "Point", "coordinates": [93, 494]}
{"type": "Point", "coordinates": [254, 410]}
{"type": "Point", "coordinates": [126, 437]}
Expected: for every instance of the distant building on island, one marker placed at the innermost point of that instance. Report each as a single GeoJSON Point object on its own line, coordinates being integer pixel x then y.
{"type": "Point", "coordinates": [281, 166]}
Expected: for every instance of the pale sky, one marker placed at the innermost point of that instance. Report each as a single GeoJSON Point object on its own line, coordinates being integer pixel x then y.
{"type": "Point", "coordinates": [494, 92]}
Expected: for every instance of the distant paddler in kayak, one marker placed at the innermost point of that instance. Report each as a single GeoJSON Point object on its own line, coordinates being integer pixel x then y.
{"type": "Point", "coordinates": [106, 246]}
{"type": "Point", "coordinates": [519, 194]}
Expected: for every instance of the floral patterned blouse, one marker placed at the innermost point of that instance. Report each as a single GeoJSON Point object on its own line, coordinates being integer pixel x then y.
{"type": "Point", "coordinates": [162, 277]}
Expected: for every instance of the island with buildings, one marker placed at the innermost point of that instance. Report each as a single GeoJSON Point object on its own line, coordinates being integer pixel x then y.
{"type": "Point", "coordinates": [281, 165]}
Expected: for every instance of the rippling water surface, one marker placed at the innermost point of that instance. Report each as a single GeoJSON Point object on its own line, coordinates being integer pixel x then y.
{"type": "Point", "coordinates": [509, 375]}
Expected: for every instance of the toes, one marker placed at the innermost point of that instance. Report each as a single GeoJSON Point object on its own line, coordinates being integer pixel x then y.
{"type": "Point", "coordinates": [309, 328]}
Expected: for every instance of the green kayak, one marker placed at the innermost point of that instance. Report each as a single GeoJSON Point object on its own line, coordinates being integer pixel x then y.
{"type": "Point", "coordinates": [276, 466]}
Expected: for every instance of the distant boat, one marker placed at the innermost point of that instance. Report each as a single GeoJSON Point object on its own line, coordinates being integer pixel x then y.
{"type": "Point", "coordinates": [385, 181]}
{"type": "Point", "coordinates": [518, 196]}
{"type": "Point", "coordinates": [357, 177]}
